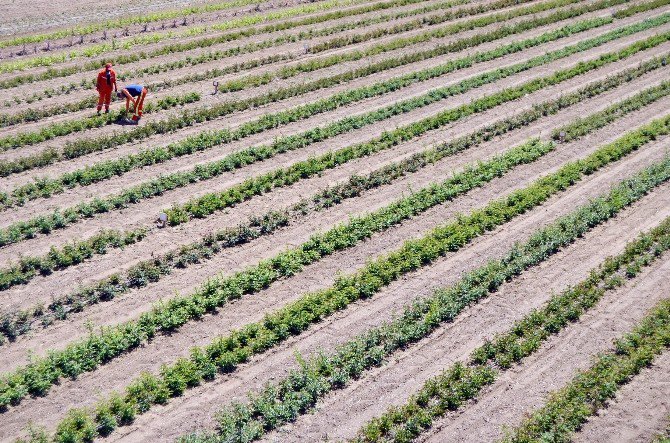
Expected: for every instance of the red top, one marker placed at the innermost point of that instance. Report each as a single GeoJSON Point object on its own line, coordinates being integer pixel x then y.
{"type": "Point", "coordinates": [106, 82]}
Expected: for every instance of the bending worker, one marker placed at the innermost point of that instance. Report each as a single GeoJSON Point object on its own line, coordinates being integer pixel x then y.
{"type": "Point", "coordinates": [135, 94]}
{"type": "Point", "coordinates": [105, 84]}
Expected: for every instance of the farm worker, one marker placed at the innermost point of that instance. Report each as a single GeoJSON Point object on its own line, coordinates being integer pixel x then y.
{"type": "Point", "coordinates": [105, 85]}
{"type": "Point", "coordinates": [135, 94]}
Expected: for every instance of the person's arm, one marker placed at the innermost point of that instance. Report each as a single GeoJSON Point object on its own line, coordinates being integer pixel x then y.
{"type": "Point", "coordinates": [114, 81]}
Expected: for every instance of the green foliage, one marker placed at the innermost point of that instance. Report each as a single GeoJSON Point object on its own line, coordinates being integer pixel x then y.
{"type": "Point", "coordinates": [226, 352]}
{"type": "Point", "coordinates": [20, 322]}
{"type": "Point", "coordinates": [216, 201]}
{"type": "Point", "coordinates": [568, 408]}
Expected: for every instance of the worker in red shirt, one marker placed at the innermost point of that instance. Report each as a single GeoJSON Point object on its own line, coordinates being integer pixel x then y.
{"type": "Point", "coordinates": [105, 84]}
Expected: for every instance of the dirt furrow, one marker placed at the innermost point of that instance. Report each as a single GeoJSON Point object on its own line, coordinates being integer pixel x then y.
{"type": "Point", "coordinates": [295, 48]}
{"type": "Point", "coordinates": [197, 407]}
{"type": "Point", "coordinates": [525, 388]}
{"type": "Point", "coordinates": [638, 412]}
{"type": "Point", "coordinates": [137, 176]}
{"type": "Point", "coordinates": [8, 183]}
{"type": "Point", "coordinates": [252, 308]}
{"type": "Point", "coordinates": [60, 283]}
{"type": "Point", "coordinates": [141, 214]}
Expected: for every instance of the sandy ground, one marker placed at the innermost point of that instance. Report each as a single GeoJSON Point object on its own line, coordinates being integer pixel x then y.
{"type": "Point", "coordinates": [166, 348]}
{"type": "Point", "coordinates": [638, 411]}
{"type": "Point", "coordinates": [524, 388]}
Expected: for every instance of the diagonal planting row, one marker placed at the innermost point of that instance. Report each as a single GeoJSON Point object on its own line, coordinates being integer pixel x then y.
{"type": "Point", "coordinates": [87, 355]}
{"type": "Point", "coordinates": [225, 353]}
{"type": "Point", "coordinates": [189, 118]}
{"type": "Point", "coordinates": [49, 60]}
{"type": "Point", "coordinates": [19, 322]}
{"type": "Point", "coordinates": [321, 63]}
{"type": "Point", "coordinates": [197, 59]}
{"type": "Point", "coordinates": [216, 201]}
{"type": "Point", "coordinates": [285, 400]}
{"type": "Point", "coordinates": [568, 408]}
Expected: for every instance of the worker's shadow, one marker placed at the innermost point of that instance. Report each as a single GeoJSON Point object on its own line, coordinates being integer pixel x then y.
{"type": "Point", "coordinates": [123, 121]}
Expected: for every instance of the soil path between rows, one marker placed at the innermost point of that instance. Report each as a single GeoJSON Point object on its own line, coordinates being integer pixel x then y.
{"type": "Point", "coordinates": [479, 321]}
{"type": "Point", "coordinates": [525, 388]}
{"type": "Point", "coordinates": [252, 308]}
{"type": "Point", "coordinates": [639, 411]}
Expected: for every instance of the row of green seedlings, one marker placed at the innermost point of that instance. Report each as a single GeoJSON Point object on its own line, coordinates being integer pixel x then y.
{"type": "Point", "coordinates": [82, 30]}
{"type": "Point", "coordinates": [92, 51]}
{"type": "Point", "coordinates": [48, 187]}
{"type": "Point", "coordinates": [591, 390]}
{"type": "Point", "coordinates": [87, 354]}
{"type": "Point", "coordinates": [224, 354]}
{"type": "Point", "coordinates": [175, 123]}
{"type": "Point", "coordinates": [250, 47]}
{"type": "Point", "coordinates": [207, 140]}
{"type": "Point", "coordinates": [164, 67]}
{"type": "Point", "coordinates": [309, 66]}
{"type": "Point", "coordinates": [32, 115]}
{"type": "Point", "coordinates": [21, 321]}
{"type": "Point", "coordinates": [284, 401]}
{"type": "Point", "coordinates": [255, 186]}
{"type": "Point", "coordinates": [68, 127]}
{"type": "Point", "coordinates": [461, 382]}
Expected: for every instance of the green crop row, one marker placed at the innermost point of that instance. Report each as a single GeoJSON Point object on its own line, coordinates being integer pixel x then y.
{"type": "Point", "coordinates": [211, 41]}
{"type": "Point", "coordinates": [225, 353]}
{"type": "Point", "coordinates": [94, 50]}
{"type": "Point", "coordinates": [207, 140]}
{"type": "Point", "coordinates": [187, 118]}
{"type": "Point", "coordinates": [282, 177]}
{"type": "Point", "coordinates": [284, 401]}
{"type": "Point", "coordinates": [64, 128]}
{"type": "Point", "coordinates": [86, 355]}
{"type": "Point", "coordinates": [450, 389]}
{"type": "Point", "coordinates": [19, 322]}
{"type": "Point", "coordinates": [215, 201]}
{"type": "Point", "coordinates": [132, 20]}
{"type": "Point", "coordinates": [69, 255]}
{"type": "Point", "coordinates": [590, 390]}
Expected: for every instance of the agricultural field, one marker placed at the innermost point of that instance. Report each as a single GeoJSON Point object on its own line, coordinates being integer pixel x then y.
{"type": "Point", "coordinates": [337, 220]}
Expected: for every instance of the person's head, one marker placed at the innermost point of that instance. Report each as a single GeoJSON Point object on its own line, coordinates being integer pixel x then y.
{"type": "Point", "coordinates": [119, 94]}
{"type": "Point", "coordinates": [108, 66]}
